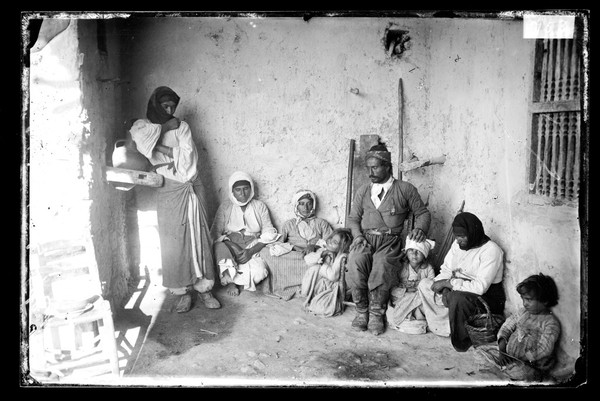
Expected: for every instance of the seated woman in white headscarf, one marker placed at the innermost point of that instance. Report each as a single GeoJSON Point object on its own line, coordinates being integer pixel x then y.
{"type": "Point", "coordinates": [241, 228]}
{"type": "Point", "coordinates": [300, 246]}
{"type": "Point", "coordinates": [306, 232]}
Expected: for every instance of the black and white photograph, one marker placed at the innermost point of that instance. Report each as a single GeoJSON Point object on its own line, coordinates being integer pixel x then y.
{"type": "Point", "coordinates": [302, 198]}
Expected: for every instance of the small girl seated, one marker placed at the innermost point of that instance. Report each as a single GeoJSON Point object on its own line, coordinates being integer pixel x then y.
{"type": "Point", "coordinates": [321, 284]}
{"type": "Point", "coordinates": [407, 314]}
{"type": "Point", "coordinates": [527, 339]}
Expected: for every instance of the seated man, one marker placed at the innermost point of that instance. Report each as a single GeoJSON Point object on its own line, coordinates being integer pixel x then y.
{"type": "Point", "coordinates": [376, 219]}
{"type": "Point", "coordinates": [242, 227]}
{"type": "Point", "coordinates": [473, 266]}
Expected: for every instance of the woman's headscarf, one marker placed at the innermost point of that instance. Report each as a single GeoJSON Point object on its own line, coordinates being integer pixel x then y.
{"type": "Point", "coordinates": [155, 113]}
{"type": "Point", "coordinates": [303, 193]}
{"type": "Point", "coordinates": [240, 176]}
{"type": "Point", "coordinates": [468, 224]}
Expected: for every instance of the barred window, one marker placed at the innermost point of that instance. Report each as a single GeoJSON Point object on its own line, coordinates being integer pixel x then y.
{"type": "Point", "coordinates": [556, 120]}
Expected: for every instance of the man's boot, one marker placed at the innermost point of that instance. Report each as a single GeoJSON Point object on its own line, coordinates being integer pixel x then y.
{"type": "Point", "coordinates": [361, 300]}
{"type": "Point", "coordinates": [378, 300]}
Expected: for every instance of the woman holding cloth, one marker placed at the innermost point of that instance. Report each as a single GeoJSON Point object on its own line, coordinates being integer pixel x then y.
{"type": "Point", "coordinates": [242, 227]}
{"type": "Point", "coordinates": [186, 246]}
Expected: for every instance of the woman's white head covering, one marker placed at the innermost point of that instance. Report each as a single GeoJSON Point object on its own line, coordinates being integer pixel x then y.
{"type": "Point", "coordinates": [240, 176]}
{"type": "Point", "coordinates": [296, 199]}
{"type": "Point", "coordinates": [424, 247]}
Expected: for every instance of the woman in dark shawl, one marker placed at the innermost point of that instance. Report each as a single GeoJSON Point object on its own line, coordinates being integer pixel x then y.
{"type": "Point", "coordinates": [186, 245]}
{"type": "Point", "coordinates": [473, 267]}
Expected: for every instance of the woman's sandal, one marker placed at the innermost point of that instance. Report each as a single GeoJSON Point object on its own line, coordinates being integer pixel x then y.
{"type": "Point", "coordinates": [184, 304]}
{"type": "Point", "coordinates": [209, 301]}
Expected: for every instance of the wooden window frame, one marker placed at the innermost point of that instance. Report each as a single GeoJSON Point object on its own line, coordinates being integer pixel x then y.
{"type": "Point", "coordinates": [556, 118]}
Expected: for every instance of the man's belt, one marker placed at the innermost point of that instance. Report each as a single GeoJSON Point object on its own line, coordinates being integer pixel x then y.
{"type": "Point", "coordinates": [379, 231]}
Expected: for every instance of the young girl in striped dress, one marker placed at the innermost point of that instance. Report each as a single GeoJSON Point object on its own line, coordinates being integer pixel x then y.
{"type": "Point", "coordinates": [527, 340]}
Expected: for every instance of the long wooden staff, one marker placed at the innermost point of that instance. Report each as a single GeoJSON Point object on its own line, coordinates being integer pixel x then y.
{"type": "Point", "coordinates": [349, 182]}
{"type": "Point", "coordinates": [400, 128]}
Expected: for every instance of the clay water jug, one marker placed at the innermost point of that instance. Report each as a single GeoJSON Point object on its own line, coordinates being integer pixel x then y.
{"type": "Point", "coordinates": [125, 155]}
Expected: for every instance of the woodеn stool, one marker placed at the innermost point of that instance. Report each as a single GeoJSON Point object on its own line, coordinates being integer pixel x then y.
{"type": "Point", "coordinates": [78, 353]}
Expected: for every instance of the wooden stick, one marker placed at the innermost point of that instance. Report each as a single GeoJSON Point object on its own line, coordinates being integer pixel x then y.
{"type": "Point", "coordinates": [349, 181]}
{"type": "Point", "coordinates": [411, 165]}
{"type": "Point", "coordinates": [513, 357]}
{"type": "Point", "coordinates": [400, 127]}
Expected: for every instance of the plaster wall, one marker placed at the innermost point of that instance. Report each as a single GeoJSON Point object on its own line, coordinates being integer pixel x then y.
{"type": "Point", "coordinates": [479, 86]}
{"type": "Point", "coordinates": [271, 96]}
{"type": "Point", "coordinates": [68, 133]}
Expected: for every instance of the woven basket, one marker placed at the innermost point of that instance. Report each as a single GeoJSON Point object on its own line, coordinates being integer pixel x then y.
{"type": "Point", "coordinates": [482, 328]}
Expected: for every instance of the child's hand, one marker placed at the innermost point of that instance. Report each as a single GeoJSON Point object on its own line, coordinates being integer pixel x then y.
{"type": "Point", "coordinates": [309, 249]}
{"type": "Point", "coordinates": [503, 360]}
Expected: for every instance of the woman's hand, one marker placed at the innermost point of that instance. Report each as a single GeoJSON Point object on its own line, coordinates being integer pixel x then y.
{"type": "Point", "coordinates": [172, 124]}
{"type": "Point", "coordinates": [246, 254]}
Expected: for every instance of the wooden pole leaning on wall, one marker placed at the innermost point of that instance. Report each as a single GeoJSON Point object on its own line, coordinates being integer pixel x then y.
{"type": "Point", "coordinates": [400, 128]}
{"type": "Point", "coordinates": [349, 182]}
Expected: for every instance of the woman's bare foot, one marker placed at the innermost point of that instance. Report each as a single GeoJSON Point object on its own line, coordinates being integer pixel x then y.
{"type": "Point", "coordinates": [232, 289]}
{"type": "Point", "coordinates": [226, 278]}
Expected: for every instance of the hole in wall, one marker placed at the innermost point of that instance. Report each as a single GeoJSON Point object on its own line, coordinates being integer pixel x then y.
{"type": "Point", "coordinates": [397, 41]}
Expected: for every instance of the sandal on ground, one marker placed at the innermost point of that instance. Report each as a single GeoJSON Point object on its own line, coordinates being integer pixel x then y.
{"type": "Point", "coordinates": [210, 301]}
{"type": "Point", "coordinates": [184, 304]}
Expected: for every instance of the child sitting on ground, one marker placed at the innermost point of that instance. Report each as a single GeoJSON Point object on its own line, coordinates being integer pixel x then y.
{"type": "Point", "coordinates": [407, 313]}
{"type": "Point", "coordinates": [321, 284]}
{"type": "Point", "coordinates": [527, 339]}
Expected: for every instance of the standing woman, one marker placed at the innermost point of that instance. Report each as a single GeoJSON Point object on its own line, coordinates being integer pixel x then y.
{"type": "Point", "coordinates": [186, 246]}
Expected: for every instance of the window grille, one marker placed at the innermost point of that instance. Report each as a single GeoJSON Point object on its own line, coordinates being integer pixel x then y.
{"type": "Point", "coordinates": [556, 119]}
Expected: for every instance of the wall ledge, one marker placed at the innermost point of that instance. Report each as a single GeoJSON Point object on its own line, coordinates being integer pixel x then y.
{"type": "Point", "coordinates": [539, 200]}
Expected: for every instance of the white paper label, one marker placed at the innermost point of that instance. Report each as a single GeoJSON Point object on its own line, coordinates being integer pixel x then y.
{"type": "Point", "coordinates": [548, 26]}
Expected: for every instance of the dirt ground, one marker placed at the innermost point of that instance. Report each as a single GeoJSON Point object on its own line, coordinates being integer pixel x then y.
{"type": "Point", "coordinates": [259, 340]}
{"type": "Point", "coordinates": [256, 339]}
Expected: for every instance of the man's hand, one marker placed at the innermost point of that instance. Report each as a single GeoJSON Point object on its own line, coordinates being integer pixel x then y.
{"type": "Point", "coordinates": [417, 235]}
{"type": "Point", "coordinates": [357, 242]}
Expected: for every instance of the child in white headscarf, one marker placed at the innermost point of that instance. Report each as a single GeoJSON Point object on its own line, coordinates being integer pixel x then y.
{"type": "Point", "coordinates": [407, 314]}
